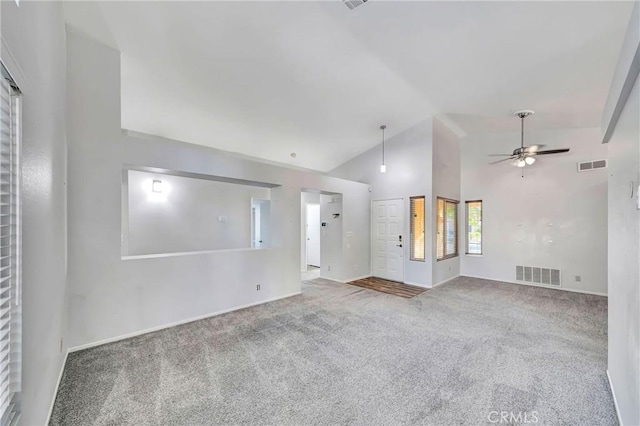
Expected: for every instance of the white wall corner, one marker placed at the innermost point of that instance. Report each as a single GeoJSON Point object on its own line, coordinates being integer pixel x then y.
{"type": "Point", "coordinates": [55, 394]}
{"type": "Point", "coordinates": [615, 401]}
{"type": "Point", "coordinates": [625, 75]}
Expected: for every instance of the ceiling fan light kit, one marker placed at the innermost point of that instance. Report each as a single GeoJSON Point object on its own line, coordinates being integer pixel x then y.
{"type": "Point", "coordinates": [525, 155]}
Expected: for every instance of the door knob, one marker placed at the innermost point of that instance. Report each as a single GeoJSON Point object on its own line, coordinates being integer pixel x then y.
{"type": "Point", "coordinates": [398, 245]}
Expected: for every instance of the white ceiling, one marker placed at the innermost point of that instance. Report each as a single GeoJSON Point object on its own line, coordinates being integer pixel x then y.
{"type": "Point", "coordinates": [269, 78]}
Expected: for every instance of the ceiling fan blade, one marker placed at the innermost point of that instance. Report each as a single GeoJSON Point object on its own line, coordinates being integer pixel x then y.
{"type": "Point", "coordinates": [504, 159]}
{"type": "Point", "coordinates": [553, 151]}
{"type": "Point", "coordinates": [533, 148]}
{"type": "Point", "coordinates": [500, 155]}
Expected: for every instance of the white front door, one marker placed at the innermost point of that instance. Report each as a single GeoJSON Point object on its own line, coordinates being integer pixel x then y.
{"type": "Point", "coordinates": [313, 234]}
{"type": "Point", "coordinates": [386, 239]}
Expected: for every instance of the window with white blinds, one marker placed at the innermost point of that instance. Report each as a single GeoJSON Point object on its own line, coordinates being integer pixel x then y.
{"type": "Point", "coordinates": [10, 253]}
{"type": "Point", "coordinates": [474, 227]}
{"type": "Point", "coordinates": [416, 208]}
{"type": "Point", "coordinates": [447, 229]}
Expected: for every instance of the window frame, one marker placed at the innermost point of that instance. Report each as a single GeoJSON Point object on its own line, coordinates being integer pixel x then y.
{"type": "Point", "coordinates": [456, 252]}
{"type": "Point", "coordinates": [412, 256]}
{"type": "Point", "coordinates": [467, 228]}
{"type": "Point", "coordinates": [12, 250]}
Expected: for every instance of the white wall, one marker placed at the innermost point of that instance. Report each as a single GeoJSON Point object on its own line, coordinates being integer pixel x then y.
{"type": "Point", "coordinates": [446, 184]}
{"type": "Point", "coordinates": [553, 217]}
{"type": "Point", "coordinates": [331, 237]}
{"type": "Point", "coordinates": [624, 234]}
{"type": "Point", "coordinates": [152, 292]}
{"type": "Point", "coordinates": [33, 47]}
{"type": "Point", "coordinates": [624, 262]}
{"type": "Point", "coordinates": [185, 217]}
{"type": "Point", "coordinates": [409, 173]}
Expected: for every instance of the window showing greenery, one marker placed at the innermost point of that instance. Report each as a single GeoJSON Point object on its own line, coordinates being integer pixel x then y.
{"type": "Point", "coordinates": [447, 229]}
{"type": "Point", "coordinates": [417, 228]}
{"type": "Point", "coordinates": [474, 227]}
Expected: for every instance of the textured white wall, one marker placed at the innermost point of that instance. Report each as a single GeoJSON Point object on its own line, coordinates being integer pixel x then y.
{"type": "Point", "coordinates": [624, 262]}
{"type": "Point", "coordinates": [553, 217]}
{"type": "Point", "coordinates": [33, 47]}
{"type": "Point", "coordinates": [148, 293]}
{"type": "Point", "coordinates": [331, 236]}
{"type": "Point", "coordinates": [185, 217]}
{"type": "Point", "coordinates": [446, 184]}
{"type": "Point", "coordinates": [624, 233]}
{"type": "Point", "coordinates": [409, 159]}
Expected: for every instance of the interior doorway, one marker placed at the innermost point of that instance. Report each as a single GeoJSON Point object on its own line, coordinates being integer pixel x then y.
{"type": "Point", "coordinates": [387, 223]}
{"type": "Point", "coordinates": [312, 227]}
{"type": "Point", "coordinates": [311, 235]}
{"type": "Point", "coordinates": [260, 218]}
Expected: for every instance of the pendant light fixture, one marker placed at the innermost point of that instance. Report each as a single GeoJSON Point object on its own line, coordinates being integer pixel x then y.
{"type": "Point", "coordinates": [383, 167]}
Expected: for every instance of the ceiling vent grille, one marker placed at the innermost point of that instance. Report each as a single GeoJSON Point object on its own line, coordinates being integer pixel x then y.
{"type": "Point", "coordinates": [536, 275]}
{"type": "Point", "coordinates": [352, 4]}
{"type": "Point", "coordinates": [587, 166]}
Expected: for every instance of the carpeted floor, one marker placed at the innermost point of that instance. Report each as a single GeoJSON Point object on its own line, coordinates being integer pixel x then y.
{"type": "Point", "coordinates": [459, 354]}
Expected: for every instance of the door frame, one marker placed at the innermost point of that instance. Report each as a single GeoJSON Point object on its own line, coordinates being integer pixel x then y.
{"type": "Point", "coordinates": [371, 242]}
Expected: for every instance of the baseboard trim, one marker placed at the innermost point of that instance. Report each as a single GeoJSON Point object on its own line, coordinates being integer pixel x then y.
{"type": "Point", "coordinates": [176, 323]}
{"type": "Point", "coordinates": [335, 280]}
{"type": "Point", "coordinates": [615, 401]}
{"type": "Point", "coordinates": [55, 394]}
{"type": "Point", "coordinates": [415, 284]}
{"type": "Point", "coordinates": [445, 281]}
{"type": "Point", "coordinates": [355, 279]}
{"type": "Point", "coordinates": [571, 290]}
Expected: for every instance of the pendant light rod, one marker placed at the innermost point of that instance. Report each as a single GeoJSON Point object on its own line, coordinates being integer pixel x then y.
{"type": "Point", "coordinates": [522, 131]}
{"type": "Point", "coordinates": [384, 126]}
{"type": "Point", "coordinates": [383, 167]}
{"type": "Point", "coordinates": [522, 114]}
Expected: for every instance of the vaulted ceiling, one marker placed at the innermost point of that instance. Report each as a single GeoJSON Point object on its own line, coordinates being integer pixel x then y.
{"type": "Point", "coordinates": [270, 78]}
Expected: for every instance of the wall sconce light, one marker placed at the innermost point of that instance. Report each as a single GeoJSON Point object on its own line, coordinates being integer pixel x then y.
{"type": "Point", "coordinates": [156, 186]}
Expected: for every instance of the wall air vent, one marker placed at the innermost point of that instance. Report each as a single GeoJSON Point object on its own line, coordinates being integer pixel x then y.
{"type": "Point", "coordinates": [537, 275]}
{"type": "Point", "coordinates": [587, 166]}
{"type": "Point", "coordinates": [352, 4]}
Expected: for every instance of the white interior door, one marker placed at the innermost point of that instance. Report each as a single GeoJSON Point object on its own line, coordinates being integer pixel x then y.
{"type": "Point", "coordinates": [256, 242]}
{"type": "Point", "coordinates": [387, 223]}
{"type": "Point", "coordinates": [313, 234]}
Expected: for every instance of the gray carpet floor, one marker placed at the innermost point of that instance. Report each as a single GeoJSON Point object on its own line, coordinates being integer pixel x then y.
{"type": "Point", "coordinates": [337, 354]}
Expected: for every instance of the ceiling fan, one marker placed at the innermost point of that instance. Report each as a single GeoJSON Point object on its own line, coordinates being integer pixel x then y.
{"type": "Point", "coordinates": [525, 155]}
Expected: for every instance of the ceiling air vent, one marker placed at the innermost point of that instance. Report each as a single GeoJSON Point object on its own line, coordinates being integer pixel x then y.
{"type": "Point", "coordinates": [586, 166]}
{"type": "Point", "coordinates": [352, 4]}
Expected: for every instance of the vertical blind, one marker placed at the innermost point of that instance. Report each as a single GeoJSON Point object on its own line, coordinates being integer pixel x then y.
{"type": "Point", "coordinates": [10, 253]}
{"type": "Point", "coordinates": [416, 207]}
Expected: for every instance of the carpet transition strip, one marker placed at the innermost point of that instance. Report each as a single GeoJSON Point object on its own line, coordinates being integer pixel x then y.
{"type": "Point", "coordinates": [389, 287]}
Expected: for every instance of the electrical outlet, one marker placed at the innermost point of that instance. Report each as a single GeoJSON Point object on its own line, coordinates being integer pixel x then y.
{"type": "Point", "coordinates": [258, 287]}
{"type": "Point", "coordinates": [578, 278]}
{"type": "Point", "coordinates": [328, 267]}
{"type": "Point", "coordinates": [355, 268]}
